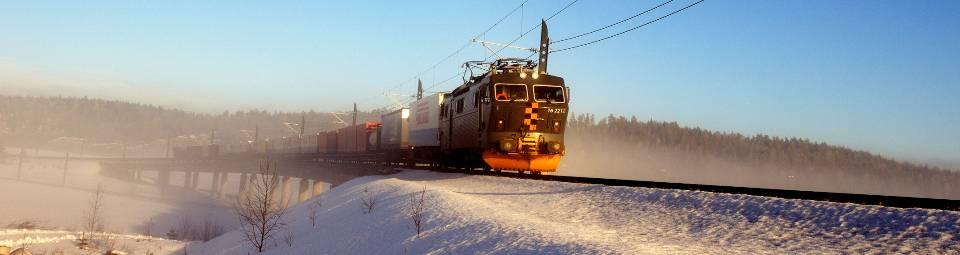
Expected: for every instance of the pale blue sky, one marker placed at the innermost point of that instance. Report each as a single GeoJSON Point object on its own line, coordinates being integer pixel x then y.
{"type": "Point", "coordinates": [875, 75]}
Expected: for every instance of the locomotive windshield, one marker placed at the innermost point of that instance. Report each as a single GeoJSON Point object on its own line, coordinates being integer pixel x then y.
{"type": "Point", "coordinates": [510, 92]}
{"type": "Point", "coordinates": [548, 93]}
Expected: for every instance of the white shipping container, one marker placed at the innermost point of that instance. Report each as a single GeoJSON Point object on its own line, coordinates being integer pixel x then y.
{"type": "Point", "coordinates": [394, 130]}
{"type": "Point", "coordinates": [425, 121]}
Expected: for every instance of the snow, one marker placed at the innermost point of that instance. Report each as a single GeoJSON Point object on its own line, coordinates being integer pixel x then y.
{"type": "Point", "coordinates": [468, 214]}
{"type": "Point", "coordinates": [493, 215]}
{"type": "Point", "coordinates": [49, 241]}
{"type": "Point", "coordinates": [40, 195]}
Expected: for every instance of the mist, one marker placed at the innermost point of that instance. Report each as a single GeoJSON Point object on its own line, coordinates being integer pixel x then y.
{"type": "Point", "coordinates": [593, 155]}
{"type": "Point", "coordinates": [55, 194]}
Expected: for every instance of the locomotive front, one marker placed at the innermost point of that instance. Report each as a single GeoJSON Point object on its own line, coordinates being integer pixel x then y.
{"type": "Point", "coordinates": [527, 118]}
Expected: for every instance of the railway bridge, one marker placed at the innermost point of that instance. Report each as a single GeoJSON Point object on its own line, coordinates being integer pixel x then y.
{"type": "Point", "coordinates": [313, 174]}
{"type": "Point", "coordinates": [299, 177]}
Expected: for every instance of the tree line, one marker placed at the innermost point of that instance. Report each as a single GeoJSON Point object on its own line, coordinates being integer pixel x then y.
{"type": "Point", "coordinates": [42, 121]}
{"type": "Point", "coordinates": [759, 151]}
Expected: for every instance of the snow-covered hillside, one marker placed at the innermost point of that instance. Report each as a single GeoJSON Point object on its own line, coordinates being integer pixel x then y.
{"type": "Point", "coordinates": [482, 214]}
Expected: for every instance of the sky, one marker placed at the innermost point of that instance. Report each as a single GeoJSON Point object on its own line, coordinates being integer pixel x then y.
{"type": "Point", "coordinates": [873, 75]}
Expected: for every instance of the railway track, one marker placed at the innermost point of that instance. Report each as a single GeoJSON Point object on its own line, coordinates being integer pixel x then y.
{"type": "Point", "coordinates": [863, 199]}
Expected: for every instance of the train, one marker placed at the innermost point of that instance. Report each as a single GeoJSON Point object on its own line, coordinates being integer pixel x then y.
{"type": "Point", "coordinates": [510, 115]}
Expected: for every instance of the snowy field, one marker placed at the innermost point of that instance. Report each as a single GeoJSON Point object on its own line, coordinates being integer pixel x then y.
{"type": "Point", "coordinates": [53, 241]}
{"type": "Point", "coordinates": [489, 215]}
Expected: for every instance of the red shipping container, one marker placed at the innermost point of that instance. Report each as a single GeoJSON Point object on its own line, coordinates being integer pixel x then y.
{"type": "Point", "coordinates": [355, 138]}
{"type": "Point", "coordinates": [331, 144]}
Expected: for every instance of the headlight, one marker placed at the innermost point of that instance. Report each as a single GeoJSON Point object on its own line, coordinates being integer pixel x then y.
{"type": "Point", "coordinates": [507, 146]}
{"type": "Point", "coordinates": [555, 147]}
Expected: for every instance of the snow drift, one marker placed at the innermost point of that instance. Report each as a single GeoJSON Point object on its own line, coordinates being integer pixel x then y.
{"type": "Point", "coordinates": [481, 214]}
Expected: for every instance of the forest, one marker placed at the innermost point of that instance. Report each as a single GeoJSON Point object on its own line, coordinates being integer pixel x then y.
{"type": "Point", "coordinates": [105, 126]}
{"type": "Point", "coordinates": [692, 154]}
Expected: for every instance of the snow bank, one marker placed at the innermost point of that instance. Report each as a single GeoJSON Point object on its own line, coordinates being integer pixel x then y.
{"type": "Point", "coordinates": [49, 241]}
{"type": "Point", "coordinates": [482, 214]}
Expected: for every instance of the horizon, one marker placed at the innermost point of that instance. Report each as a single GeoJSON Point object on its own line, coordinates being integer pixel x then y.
{"type": "Point", "coordinates": [942, 164]}
{"type": "Point", "coordinates": [872, 76]}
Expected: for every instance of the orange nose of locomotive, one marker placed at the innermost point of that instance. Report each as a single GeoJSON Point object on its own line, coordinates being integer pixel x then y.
{"type": "Point", "coordinates": [527, 152]}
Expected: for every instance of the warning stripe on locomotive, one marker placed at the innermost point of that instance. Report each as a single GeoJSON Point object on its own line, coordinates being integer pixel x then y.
{"type": "Point", "coordinates": [531, 115]}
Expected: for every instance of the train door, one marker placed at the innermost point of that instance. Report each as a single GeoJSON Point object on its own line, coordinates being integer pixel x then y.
{"type": "Point", "coordinates": [450, 125]}
{"type": "Point", "coordinates": [478, 104]}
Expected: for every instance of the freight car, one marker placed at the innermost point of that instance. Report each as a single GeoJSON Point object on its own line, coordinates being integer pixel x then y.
{"type": "Point", "coordinates": [411, 135]}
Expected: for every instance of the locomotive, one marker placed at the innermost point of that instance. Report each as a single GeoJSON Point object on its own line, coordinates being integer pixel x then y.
{"type": "Point", "coordinates": [511, 116]}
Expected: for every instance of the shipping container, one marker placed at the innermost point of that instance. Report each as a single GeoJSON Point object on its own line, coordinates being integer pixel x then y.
{"type": "Point", "coordinates": [321, 142]}
{"type": "Point", "coordinates": [310, 143]}
{"type": "Point", "coordinates": [394, 130]}
{"type": "Point", "coordinates": [332, 138]}
{"type": "Point", "coordinates": [327, 142]}
{"type": "Point", "coordinates": [424, 121]}
{"type": "Point", "coordinates": [288, 145]}
{"type": "Point", "coordinates": [356, 138]}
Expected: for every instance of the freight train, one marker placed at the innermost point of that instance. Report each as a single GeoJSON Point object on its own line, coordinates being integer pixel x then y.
{"type": "Point", "coordinates": [511, 116]}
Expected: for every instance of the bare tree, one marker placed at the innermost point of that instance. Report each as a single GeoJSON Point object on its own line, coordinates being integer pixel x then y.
{"type": "Point", "coordinates": [93, 218]}
{"type": "Point", "coordinates": [186, 230]}
{"type": "Point", "coordinates": [368, 201]}
{"type": "Point", "coordinates": [288, 238]}
{"type": "Point", "coordinates": [27, 243]}
{"type": "Point", "coordinates": [415, 209]}
{"type": "Point", "coordinates": [148, 227]}
{"type": "Point", "coordinates": [211, 229]}
{"type": "Point", "coordinates": [314, 210]}
{"type": "Point", "coordinates": [260, 212]}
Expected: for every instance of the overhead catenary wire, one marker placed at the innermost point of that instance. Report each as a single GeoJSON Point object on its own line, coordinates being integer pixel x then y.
{"type": "Point", "coordinates": [531, 29]}
{"type": "Point", "coordinates": [444, 81]}
{"type": "Point", "coordinates": [481, 34]}
{"type": "Point", "coordinates": [628, 30]}
{"type": "Point", "coordinates": [614, 24]}
{"type": "Point", "coordinates": [460, 74]}
{"type": "Point", "coordinates": [451, 55]}
{"type": "Point", "coordinates": [464, 46]}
